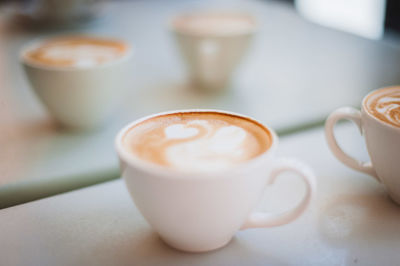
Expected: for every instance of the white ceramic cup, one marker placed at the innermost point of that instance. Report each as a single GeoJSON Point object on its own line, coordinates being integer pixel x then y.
{"type": "Point", "coordinates": [210, 57]}
{"type": "Point", "coordinates": [383, 144]}
{"type": "Point", "coordinates": [198, 212]}
{"type": "Point", "coordinates": [78, 98]}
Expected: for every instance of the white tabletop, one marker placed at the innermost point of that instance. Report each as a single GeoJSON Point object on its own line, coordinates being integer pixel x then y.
{"type": "Point", "coordinates": [350, 222]}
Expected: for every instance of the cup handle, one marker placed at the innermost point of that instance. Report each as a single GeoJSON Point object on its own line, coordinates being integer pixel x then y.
{"type": "Point", "coordinates": [264, 219]}
{"type": "Point", "coordinates": [353, 115]}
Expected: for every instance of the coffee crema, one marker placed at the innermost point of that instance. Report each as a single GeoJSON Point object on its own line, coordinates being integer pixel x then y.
{"type": "Point", "coordinates": [384, 104]}
{"type": "Point", "coordinates": [214, 23]}
{"type": "Point", "coordinates": [77, 51]}
{"type": "Point", "coordinates": [197, 141]}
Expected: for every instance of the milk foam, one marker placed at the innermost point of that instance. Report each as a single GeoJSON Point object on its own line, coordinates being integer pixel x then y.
{"type": "Point", "coordinates": [191, 143]}
{"type": "Point", "coordinates": [217, 149]}
{"type": "Point", "coordinates": [385, 105]}
{"type": "Point", "coordinates": [179, 131]}
{"type": "Point", "coordinates": [80, 52]}
{"type": "Point", "coordinates": [84, 55]}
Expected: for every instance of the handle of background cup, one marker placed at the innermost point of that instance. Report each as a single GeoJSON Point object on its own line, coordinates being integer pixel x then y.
{"type": "Point", "coordinates": [264, 219]}
{"type": "Point", "coordinates": [354, 115]}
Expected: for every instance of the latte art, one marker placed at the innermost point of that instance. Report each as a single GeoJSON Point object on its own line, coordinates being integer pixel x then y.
{"type": "Point", "coordinates": [385, 105]}
{"type": "Point", "coordinates": [77, 51]}
{"type": "Point", "coordinates": [197, 142]}
{"type": "Point", "coordinates": [213, 150]}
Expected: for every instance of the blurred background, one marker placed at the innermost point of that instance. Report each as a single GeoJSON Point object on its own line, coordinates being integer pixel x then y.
{"type": "Point", "coordinates": [307, 58]}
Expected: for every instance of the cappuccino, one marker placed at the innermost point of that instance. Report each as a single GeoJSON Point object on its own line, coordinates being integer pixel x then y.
{"type": "Point", "coordinates": [195, 208]}
{"type": "Point", "coordinates": [214, 23]}
{"type": "Point", "coordinates": [384, 104]}
{"type": "Point", "coordinates": [76, 51]}
{"type": "Point", "coordinates": [203, 141]}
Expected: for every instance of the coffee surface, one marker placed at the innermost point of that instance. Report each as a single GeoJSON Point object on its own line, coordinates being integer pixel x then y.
{"type": "Point", "coordinates": [384, 104]}
{"type": "Point", "coordinates": [77, 51]}
{"type": "Point", "coordinates": [197, 141]}
{"type": "Point", "coordinates": [214, 23]}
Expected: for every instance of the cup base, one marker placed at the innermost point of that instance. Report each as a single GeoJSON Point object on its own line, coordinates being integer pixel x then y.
{"type": "Point", "coordinates": [395, 200]}
{"type": "Point", "coordinates": [209, 86]}
{"type": "Point", "coordinates": [195, 248]}
{"type": "Point", "coordinates": [72, 128]}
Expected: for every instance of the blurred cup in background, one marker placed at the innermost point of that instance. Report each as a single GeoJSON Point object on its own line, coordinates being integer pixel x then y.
{"type": "Point", "coordinates": [54, 13]}
{"type": "Point", "coordinates": [80, 79]}
{"type": "Point", "coordinates": [212, 45]}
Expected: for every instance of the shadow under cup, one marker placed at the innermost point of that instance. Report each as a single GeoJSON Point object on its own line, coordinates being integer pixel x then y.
{"type": "Point", "coordinates": [201, 211]}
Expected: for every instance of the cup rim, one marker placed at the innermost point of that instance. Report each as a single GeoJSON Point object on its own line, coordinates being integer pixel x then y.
{"type": "Point", "coordinates": [173, 28]}
{"type": "Point", "coordinates": [365, 109]}
{"type": "Point", "coordinates": [167, 172]}
{"type": "Point", "coordinates": [38, 41]}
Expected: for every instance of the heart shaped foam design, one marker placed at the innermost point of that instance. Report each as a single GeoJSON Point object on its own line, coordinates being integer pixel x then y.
{"type": "Point", "coordinates": [213, 151]}
{"type": "Point", "coordinates": [180, 131]}
{"type": "Point", "coordinates": [227, 140]}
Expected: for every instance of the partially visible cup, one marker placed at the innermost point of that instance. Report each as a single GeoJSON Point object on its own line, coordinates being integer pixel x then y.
{"type": "Point", "coordinates": [212, 45]}
{"type": "Point", "coordinates": [379, 122]}
{"type": "Point", "coordinates": [80, 79]}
